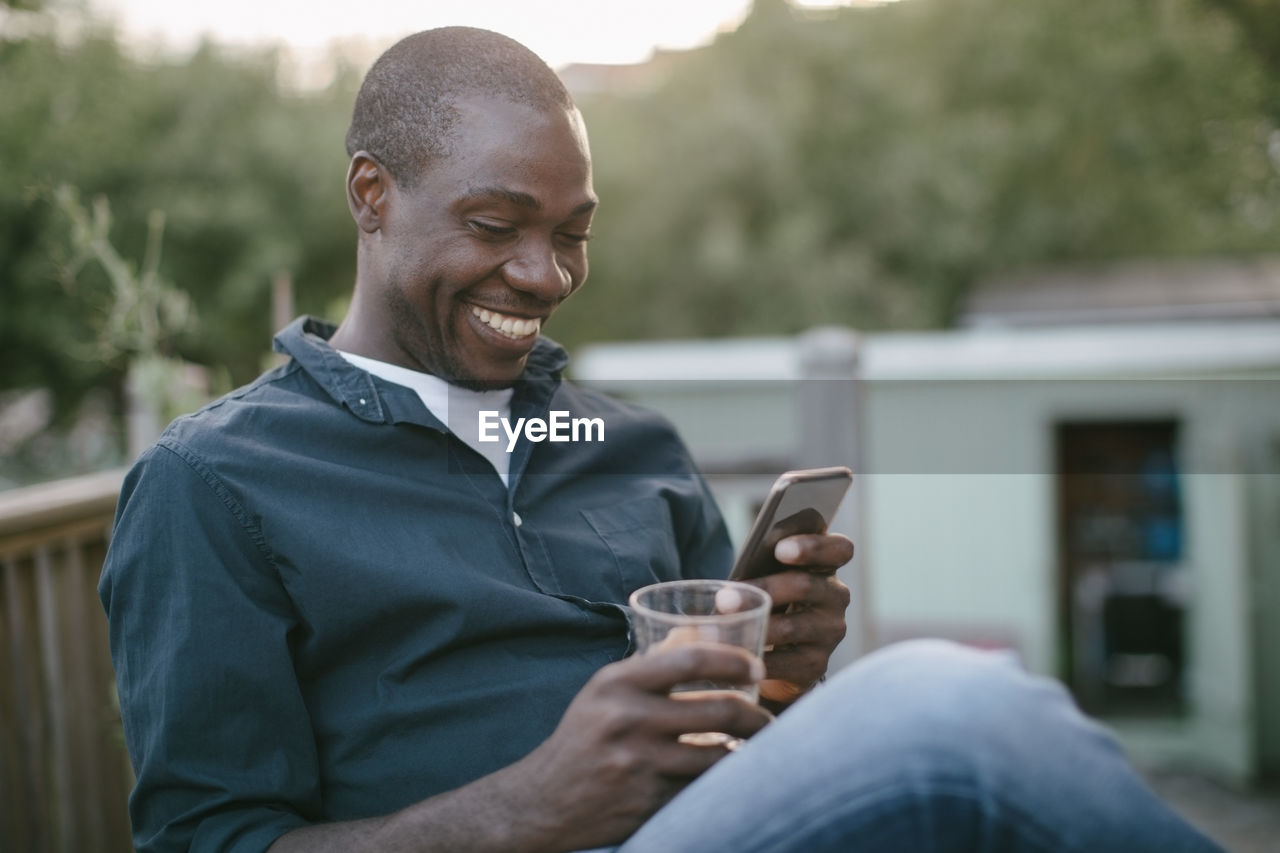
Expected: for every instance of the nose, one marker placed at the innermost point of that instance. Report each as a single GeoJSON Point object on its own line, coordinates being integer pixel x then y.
{"type": "Point", "coordinates": [538, 270]}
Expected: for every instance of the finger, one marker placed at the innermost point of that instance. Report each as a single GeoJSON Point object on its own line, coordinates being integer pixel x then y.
{"type": "Point", "coordinates": [796, 587]}
{"type": "Point", "coordinates": [824, 627]}
{"type": "Point", "coordinates": [658, 670]}
{"type": "Point", "coordinates": [686, 761]}
{"type": "Point", "coordinates": [799, 664]}
{"type": "Point", "coordinates": [725, 711]}
{"type": "Point", "coordinates": [820, 551]}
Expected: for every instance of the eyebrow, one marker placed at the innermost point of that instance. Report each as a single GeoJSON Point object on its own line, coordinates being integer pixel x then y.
{"type": "Point", "coordinates": [519, 199]}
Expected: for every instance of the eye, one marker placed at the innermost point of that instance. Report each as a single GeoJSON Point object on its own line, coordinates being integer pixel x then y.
{"type": "Point", "coordinates": [489, 229]}
{"type": "Point", "coordinates": [576, 238]}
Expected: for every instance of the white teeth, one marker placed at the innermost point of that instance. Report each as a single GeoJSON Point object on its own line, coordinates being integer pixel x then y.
{"type": "Point", "coordinates": [512, 327]}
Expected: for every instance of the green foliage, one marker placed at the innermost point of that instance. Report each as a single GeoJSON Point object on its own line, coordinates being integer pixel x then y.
{"type": "Point", "coordinates": [1259, 21]}
{"type": "Point", "coordinates": [145, 312]}
{"type": "Point", "coordinates": [868, 167]}
{"type": "Point", "coordinates": [247, 175]}
{"type": "Point", "coordinates": [864, 167]}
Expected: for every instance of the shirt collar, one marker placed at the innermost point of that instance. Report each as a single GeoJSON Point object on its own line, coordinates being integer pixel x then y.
{"type": "Point", "coordinates": [306, 340]}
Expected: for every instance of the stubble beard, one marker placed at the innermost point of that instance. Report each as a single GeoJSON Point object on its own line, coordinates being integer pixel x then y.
{"type": "Point", "coordinates": [408, 326]}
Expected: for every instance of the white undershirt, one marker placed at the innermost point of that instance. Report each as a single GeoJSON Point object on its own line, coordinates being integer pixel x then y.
{"type": "Point", "coordinates": [457, 408]}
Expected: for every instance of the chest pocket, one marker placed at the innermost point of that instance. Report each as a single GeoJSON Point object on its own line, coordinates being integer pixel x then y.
{"type": "Point", "coordinates": [641, 538]}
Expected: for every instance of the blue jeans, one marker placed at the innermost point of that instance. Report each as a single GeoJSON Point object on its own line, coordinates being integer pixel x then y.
{"type": "Point", "coordinates": [923, 746]}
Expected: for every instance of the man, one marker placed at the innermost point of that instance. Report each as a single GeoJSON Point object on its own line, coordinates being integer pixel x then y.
{"type": "Point", "coordinates": [340, 620]}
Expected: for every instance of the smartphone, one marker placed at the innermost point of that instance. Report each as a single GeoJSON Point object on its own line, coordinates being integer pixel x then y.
{"type": "Point", "coordinates": [799, 502]}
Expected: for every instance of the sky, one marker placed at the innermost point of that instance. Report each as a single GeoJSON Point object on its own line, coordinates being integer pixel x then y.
{"type": "Point", "coordinates": [560, 31]}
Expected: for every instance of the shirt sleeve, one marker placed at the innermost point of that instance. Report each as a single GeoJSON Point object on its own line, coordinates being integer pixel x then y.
{"type": "Point", "coordinates": [200, 629]}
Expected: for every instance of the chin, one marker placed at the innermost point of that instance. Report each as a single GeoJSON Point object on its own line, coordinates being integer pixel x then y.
{"type": "Point", "coordinates": [479, 374]}
{"type": "Point", "coordinates": [494, 378]}
{"type": "Point", "coordinates": [473, 384]}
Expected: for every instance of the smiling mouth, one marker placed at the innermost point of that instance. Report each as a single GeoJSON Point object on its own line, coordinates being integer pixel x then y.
{"type": "Point", "coordinates": [515, 328]}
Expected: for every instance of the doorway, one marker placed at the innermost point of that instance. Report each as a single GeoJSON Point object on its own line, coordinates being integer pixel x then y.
{"type": "Point", "coordinates": [1121, 581]}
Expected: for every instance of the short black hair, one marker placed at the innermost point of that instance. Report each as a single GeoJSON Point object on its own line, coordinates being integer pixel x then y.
{"type": "Point", "coordinates": [404, 113]}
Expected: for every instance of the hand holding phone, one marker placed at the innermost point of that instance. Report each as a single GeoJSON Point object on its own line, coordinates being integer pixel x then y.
{"type": "Point", "coordinates": [802, 501]}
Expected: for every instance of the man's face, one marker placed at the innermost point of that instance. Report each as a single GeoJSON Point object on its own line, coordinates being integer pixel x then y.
{"type": "Point", "coordinates": [477, 255]}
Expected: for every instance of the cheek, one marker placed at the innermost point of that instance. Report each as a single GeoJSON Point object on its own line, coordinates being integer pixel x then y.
{"type": "Point", "coordinates": [460, 263]}
{"type": "Point", "coordinates": [578, 268]}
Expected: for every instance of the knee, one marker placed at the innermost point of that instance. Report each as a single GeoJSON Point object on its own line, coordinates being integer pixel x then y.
{"type": "Point", "coordinates": [931, 673]}
{"type": "Point", "coordinates": [943, 744]}
{"type": "Point", "coordinates": [943, 699]}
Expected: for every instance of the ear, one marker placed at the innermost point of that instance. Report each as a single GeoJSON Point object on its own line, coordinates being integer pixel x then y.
{"type": "Point", "coordinates": [368, 188]}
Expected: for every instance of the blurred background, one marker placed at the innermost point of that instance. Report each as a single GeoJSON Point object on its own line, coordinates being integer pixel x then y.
{"type": "Point", "coordinates": [1042, 240]}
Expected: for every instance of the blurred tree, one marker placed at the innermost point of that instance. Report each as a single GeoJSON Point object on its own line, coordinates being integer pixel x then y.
{"type": "Point", "coordinates": [1259, 20]}
{"type": "Point", "coordinates": [247, 174]}
{"type": "Point", "coordinates": [868, 166]}
{"type": "Point", "coordinates": [863, 166]}
{"type": "Point", "coordinates": [146, 315]}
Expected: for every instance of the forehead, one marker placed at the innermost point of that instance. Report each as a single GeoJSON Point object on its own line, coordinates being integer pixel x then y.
{"type": "Point", "coordinates": [542, 152]}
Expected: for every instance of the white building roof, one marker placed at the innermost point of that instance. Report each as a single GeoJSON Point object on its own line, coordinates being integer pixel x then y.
{"type": "Point", "coordinates": [1064, 352]}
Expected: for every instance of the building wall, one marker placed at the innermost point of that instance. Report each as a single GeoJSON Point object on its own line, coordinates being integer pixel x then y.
{"type": "Point", "coordinates": [961, 531]}
{"type": "Point", "coordinates": [1265, 600]}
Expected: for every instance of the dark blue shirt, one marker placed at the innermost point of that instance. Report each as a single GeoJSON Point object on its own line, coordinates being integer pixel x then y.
{"type": "Point", "coordinates": [323, 605]}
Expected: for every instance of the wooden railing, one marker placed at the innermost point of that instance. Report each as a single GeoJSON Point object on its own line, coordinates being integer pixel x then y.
{"type": "Point", "coordinates": [64, 772]}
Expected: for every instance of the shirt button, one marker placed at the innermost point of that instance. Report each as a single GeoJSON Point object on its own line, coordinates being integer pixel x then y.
{"type": "Point", "coordinates": [516, 519]}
